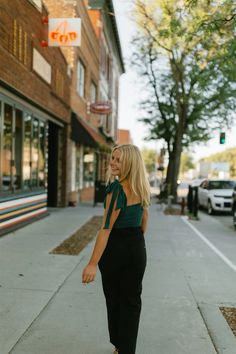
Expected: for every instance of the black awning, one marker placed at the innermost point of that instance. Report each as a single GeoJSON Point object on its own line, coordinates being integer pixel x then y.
{"type": "Point", "coordinates": [79, 133]}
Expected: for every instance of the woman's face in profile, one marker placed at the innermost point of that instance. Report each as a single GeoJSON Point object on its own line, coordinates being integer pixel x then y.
{"type": "Point", "coordinates": [115, 163]}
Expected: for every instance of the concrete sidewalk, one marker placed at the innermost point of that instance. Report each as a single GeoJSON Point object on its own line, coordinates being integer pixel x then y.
{"type": "Point", "coordinates": [45, 309]}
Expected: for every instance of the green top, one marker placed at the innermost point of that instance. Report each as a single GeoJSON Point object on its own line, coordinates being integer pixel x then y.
{"type": "Point", "coordinates": [130, 215]}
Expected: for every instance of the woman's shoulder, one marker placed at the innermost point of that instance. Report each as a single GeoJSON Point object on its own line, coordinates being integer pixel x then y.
{"type": "Point", "coordinates": [112, 185]}
{"type": "Point", "coordinates": [116, 189]}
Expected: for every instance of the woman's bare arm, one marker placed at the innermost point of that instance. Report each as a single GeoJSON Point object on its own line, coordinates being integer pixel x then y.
{"type": "Point", "coordinates": [101, 242]}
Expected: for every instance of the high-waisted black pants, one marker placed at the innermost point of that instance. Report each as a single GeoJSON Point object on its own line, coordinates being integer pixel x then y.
{"type": "Point", "coordinates": [122, 267]}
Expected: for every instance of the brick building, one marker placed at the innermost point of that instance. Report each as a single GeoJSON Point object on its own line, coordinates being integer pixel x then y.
{"type": "Point", "coordinates": [124, 137]}
{"type": "Point", "coordinates": [96, 66]}
{"type": "Point", "coordinates": [34, 116]}
{"type": "Point", "coordinates": [103, 18]}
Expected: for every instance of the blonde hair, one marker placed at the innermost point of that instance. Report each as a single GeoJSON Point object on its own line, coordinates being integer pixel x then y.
{"type": "Point", "coordinates": [133, 169]}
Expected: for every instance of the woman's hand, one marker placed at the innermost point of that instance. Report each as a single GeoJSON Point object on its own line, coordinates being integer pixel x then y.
{"type": "Point", "coordinates": [89, 273]}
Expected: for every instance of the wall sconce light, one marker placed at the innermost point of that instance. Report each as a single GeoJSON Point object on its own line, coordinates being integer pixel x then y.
{"type": "Point", "coordinates": [44, 44]}
{"type": "Point", "coordinates": [45, 20]}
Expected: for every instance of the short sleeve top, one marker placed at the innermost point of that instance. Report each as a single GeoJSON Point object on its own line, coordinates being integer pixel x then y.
{"type": "Point", "coordinates": [130, 215]}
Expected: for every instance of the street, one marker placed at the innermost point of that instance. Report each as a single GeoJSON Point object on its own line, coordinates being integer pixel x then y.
{"type": "Point", "coordinates": [225, 219]}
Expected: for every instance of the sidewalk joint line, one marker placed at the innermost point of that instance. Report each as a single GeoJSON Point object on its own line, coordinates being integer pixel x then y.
{"type": "Point", "coordinates": [45, 306]}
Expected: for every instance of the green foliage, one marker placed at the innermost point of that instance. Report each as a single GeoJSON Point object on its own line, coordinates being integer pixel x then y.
{"type": "Point", "coordinates": [184, 51]}
{"type": "Point", "coordinates": [150, 158]}
{"type": "Point", "coordinates": [229, 155]}
{"type": "Point", "coordinates": [186, 163]}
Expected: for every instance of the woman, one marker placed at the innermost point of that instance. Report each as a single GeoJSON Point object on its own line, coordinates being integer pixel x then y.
{"type": "Point", "coordinates": [119, 250]}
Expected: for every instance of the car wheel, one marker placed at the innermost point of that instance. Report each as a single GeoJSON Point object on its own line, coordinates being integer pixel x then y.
{"type": "Point", "coordinates": [210, 210]}
{"type": "Point", "coordinates": [234, 217]}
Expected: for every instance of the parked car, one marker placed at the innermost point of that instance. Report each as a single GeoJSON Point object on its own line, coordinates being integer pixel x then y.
{"type": "Point", "coordinates": [216, 195]}
{"type": "Point", "coordinates": [234, 206]}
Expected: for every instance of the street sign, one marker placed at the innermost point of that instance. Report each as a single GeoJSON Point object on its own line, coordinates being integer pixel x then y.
{"type": "Point", "coordinates": [101, 107]}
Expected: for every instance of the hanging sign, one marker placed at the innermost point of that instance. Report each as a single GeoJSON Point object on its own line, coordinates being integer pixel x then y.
{"type": "Point", "coordinates": [101, 107]}
{"type": "Point", "coordinates": [64, 32]}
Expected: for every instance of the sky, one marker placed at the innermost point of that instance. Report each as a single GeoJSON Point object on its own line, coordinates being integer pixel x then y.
{"type": "Point", "coordinates": [131, 94]}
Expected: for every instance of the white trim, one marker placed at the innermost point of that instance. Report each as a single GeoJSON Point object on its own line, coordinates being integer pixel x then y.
{"type": "Point", "coordinates": [19, 201]}
{"type": "Point", "coordinates": [33, 213]}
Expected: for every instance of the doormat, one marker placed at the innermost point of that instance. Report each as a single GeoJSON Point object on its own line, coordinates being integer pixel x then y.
{"type": "Point", "coordinates": [230, 316]}
{"type": "Point", "coordinates": [74, 244]}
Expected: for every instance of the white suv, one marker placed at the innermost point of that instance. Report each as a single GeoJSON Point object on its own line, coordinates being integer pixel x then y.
{"type": "Point", "coordinates": [216, 195]}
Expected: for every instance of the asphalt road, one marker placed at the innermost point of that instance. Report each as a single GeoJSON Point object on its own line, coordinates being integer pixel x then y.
{"type": "Point", "coordinates": [225, 219]}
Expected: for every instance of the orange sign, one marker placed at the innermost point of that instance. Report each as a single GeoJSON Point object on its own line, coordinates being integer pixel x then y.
{"type": "Point", "coordinates": [64, 32]}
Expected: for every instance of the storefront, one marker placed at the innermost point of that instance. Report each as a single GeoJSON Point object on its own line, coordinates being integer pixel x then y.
{"type": "Point", "coordinates": [90, 156]}
{"type": "Point", "coordinates": [34, 117]}
{"type": "Point", "coordinates": [26, 134]}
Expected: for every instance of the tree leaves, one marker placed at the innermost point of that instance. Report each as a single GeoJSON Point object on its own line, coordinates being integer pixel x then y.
{"type": "Point", "coordinates": [184, 52]}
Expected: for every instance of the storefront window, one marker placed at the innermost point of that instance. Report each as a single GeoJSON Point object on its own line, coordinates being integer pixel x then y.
{"type": "Point", "coordinates": [17, 170]}
{"type": "Point", "coordinates": [79, 167]}
{"type": "Point", "coordinates": [1, 139]}
{"type": "Point", "coordinates": [23, 143]}
{"type": "Point", "coordinates": [26, 151]}
{"type": "Point", "coordinates": [35, 153]}
{"type": "Point", "coordinates": [42, 148]}
{"type": "Point", "coordinates": [88, 167]}
{"type": "Point", "coordinates": [7, 147]}
{"type": "Point", "coordinates": [46, 154]}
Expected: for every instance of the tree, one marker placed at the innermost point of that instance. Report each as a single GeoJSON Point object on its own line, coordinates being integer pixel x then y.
{"type": "Point", "coordinates": [186, 163]}
{"type": "Point", "coordinates": [187, 69]}
{"type": "Point", "coordinates": [150, 159]}
{"type": "Point", "coordinates": [229, 155]}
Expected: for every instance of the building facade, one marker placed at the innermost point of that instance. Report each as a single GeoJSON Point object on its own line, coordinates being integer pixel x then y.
{"type": "Point", "coordinates": [93, 69]}
{"type": "Point", "coordinates": [54, 149]}
{"type": "Point", "coordinates": [103, 18]}
{"type": "Point", "coordinates": [124, 137]}
{"type": "Point", "coordinates": [34, 116]}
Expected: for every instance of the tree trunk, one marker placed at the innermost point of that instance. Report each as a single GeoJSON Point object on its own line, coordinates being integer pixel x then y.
{"type": "Point", "coordinates": [181, 107]}
{"type": "Point", "coordinates": [174, 159]}
{"type": "Point", "coordinates": [173, 170]}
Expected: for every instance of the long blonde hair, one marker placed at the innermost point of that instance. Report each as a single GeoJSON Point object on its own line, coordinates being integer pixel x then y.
{"type": "Point", "coordinates": [133, 169]}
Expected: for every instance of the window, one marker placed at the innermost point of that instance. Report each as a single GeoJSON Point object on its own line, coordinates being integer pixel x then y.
{"type": "Point", "coordinates": [17, 172]}
{"type": "Point", "coordinates": [23, 158]}
{"type": "Point", "coordinates": [88, 168]}
{"type": "Point", "coordinates": [79, 168]}
{"type": "Point", "coordinates": [35, 154]}
{"type": "Point", "coordinates": [93, 92]}
{"type": "Point", "coordinates": [27, 151]}
{"type": "Point", "coordinates": [221, 184]}
{"type": "Point", "coordinates": [7, 147]}
{"type": "Point", "coordinates": [42, 155]}
{"type": "Point", "coordinates": [80, 79]}
{"type": "Point", "coordinates": [1, 139]}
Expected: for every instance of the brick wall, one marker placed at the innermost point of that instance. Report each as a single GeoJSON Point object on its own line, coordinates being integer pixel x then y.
{"type": "Point", "coordinates": [88, 53]}
{"type": "Point", "coordinates": [22, 30]}
{"type": "Point", "coordinates": [87, 195]}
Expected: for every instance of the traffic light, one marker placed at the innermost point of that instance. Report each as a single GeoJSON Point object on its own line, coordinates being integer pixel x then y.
{"type": "Point", "coordinates": [222, 138]}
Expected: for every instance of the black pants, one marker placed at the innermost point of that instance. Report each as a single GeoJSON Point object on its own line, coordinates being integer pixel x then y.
{"type": "Point", "coordinates": [122, 267]}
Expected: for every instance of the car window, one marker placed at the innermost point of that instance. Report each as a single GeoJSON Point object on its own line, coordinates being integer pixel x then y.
{"type": "Point", "coordinates": [203, 184]}
{"type": "Point", "coordinates": [221, 184]}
